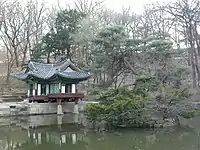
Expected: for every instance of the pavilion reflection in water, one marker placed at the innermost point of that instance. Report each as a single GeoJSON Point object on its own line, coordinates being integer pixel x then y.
{"type": "Point", "coordinates": [61, 131]}
{"type": "Point", "coordinates": [62, 138]}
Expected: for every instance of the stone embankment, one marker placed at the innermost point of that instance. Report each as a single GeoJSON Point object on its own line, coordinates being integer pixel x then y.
{"type": "Point", "coordinates": [25, 108]}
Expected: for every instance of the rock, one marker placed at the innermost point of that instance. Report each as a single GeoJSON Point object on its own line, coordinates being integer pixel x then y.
{"type": "Point", "coordinates": [122, 126]}
{"type": "Point", "coordinates": [25, 100]}
{"type": "Point", "coordinates": [151, 123]}
{"type": "Point", "coordinates": [158, 125]}
{"type": "Point", "coordinates": [168, 120]}
{"type": "Point", "coordinates": [169, 124]}
{"type": "Point", "coordinates": [161, 121]}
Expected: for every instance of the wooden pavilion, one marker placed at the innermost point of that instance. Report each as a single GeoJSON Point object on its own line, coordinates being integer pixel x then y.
{"type": "Point", "coordinates": [53, 82]}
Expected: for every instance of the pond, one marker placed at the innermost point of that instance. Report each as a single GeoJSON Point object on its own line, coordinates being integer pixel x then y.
{"type": "Point", "coordinates": [68, 132]}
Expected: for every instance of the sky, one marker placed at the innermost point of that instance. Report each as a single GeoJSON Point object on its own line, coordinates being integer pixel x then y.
{"type": "Point", "coordinates": [136, 5]}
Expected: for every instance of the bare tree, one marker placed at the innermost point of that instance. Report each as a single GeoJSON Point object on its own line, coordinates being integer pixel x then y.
{"type": "Point", "coordinates": [187, 13]}
{"type": "Point", "coordinates": [34, 27]}
{"type": "Point", "coordinates": [11, 28]}
{"type": "Point", "coordinates": [22, 28]}
{"type": "Point", "coordinates": [89, 7]}
{"type": "Point", "coordinates": [1, 11]}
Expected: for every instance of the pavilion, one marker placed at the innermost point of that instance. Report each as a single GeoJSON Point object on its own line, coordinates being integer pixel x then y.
{"type": "Point", "coordinates": [53, 82]}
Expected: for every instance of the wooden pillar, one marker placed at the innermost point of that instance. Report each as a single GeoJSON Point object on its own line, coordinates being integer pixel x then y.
{"type": "Point", "coordinates": [76, 88]}
{"type": "Point", "coordinates": [47, 89]}
{"type": "Point", "coordinates": [63, 88]}
{"type": "Point", "coordinates": [73, 88]}
{"type": "Point", "coordinates": [39, 89]}
{"type": "Point", "coordinates": [69, 87]}
{"type": "Point", "coordinates": [60, 87]}
{"type": "Point", "coordinates": [34, 88]}
{"type": "Point", "coordinates": [28, 92]}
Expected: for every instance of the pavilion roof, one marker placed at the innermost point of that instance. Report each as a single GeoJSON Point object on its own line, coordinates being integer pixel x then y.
{"type": "Point", "coordinates": [65, 69]}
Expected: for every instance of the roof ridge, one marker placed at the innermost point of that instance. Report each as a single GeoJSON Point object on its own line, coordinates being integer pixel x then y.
{"type": "Point", "coordinates": [48, 74]}
{"type": "Point", "coordinates": [54, 64]}
{"type": "Point", "coordinates": [33, 65]}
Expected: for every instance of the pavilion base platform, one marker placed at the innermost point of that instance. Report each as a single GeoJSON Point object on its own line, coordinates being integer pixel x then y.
{"type": "Point", "coordinates": [31, 109]}
{"type": "Point", "coordinates": [76, 110]}
{"type": "Point", "coordinates": [61, 100]}
{"type": "Point", "coordinates": [59, 110]}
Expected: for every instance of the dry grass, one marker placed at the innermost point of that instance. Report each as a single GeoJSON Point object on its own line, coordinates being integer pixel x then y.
{"type": "Point", "coordinates": [13, 86]}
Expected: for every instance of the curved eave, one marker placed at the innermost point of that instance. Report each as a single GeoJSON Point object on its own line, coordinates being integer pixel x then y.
{"type": "Point", "coordinates": [21, 76]}
{"type": "Point", "coordinates": [81, 76]}
{"type": "Point", "coordinates": [75, 75]}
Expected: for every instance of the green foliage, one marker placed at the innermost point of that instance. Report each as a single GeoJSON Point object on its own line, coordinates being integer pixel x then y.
{"type": "Point", "coordinates": [95, 112]}
{"type": "Point", "coordinates": [95, 91]}
{"type": "Point", "coordinates": [112, 47]}
{"type": "Point", "coordinates": [169, 101]}
{"type": "Point", "coordinates": [58, 41]}
{"type": "Point", "coordinates": [37, 52]}
{"type": "Point", "coordinates": [124, 107]}
{"type": "Point", "coordinates": [108, 97]}
{"type": "Point", "coordinates": [120, 108]}
{"type": "Point", "coordinates": [66, 25]}
{"type": "Point", "coordinates": [172, 75]}
{"type": "Point", "coordinates": [45, 47]}
{"type": "Point", "coordinates": [127, 112]}
{"type": "Point", "coordinates": [189, 113]}
{"type": "Point", "coordinates": [160, 50]}
{"type": "Point", "coordinates": [145, 84]}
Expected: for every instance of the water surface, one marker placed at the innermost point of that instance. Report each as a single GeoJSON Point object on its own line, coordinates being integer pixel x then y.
{"type": "Point", "coordinates": [51, 133]}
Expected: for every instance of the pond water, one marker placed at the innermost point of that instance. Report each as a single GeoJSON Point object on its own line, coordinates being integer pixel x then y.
{"type": "Point", "coordinates": [54, 133]}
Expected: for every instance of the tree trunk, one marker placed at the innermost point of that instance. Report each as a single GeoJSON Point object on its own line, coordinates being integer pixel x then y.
{"type": "Point", "coordinates": [192, 54]}
{"type": "Point", "coordinates": [196, 38]}
{"type": "Point", "coordinates": [48, 58]}
{"type": "Point", "coordinates": [193, 70]}
{"type": "Point", "coordinates": [68, 52]}
{"type": "Point", "coordinates": [189, 58]}
{"type": "Point", "coordinates": [104, 76]}
{"type": "Point", "coordinates": [16, 57]}
{"type": "Point", "coordinates": [9, 65]}
{"type": "Point", "coordinates": [8, 72]}
{"type": "Point", "coordinates": [94, 80]}
{"type": "Point", "coordinates": [24, 58]}
{"type": "Point", "coordinates": [100, 76]}
{"type": "Point", "coordinates": [97, 79]}
{"type": "Point", "coordinates": [115, 82]}
{"type": "Point", "coordinates": [197, 67]}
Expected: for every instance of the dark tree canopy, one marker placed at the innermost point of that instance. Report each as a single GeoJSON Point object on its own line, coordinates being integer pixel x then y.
{"type": "Point", "coordinates": [59, 40]}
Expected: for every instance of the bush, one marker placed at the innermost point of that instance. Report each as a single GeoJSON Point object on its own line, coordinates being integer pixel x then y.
{"type": "Point", "coordinates": [124, 107]}
{"type": "Point", "coordinates": [120, 108]}
{"type": "Point", "coordinates": [188, 114]}
{"type": "Point", "coordinates": [170, 101]}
